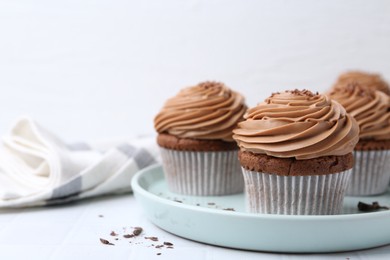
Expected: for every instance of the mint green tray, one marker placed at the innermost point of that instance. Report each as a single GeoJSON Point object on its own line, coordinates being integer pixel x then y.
{"type": "Point", "coordinates": [212, 220]}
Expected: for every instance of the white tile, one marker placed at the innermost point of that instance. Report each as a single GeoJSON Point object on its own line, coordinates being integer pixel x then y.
{"type": "Point", "coordinates": [73, 231]}
{"type": "Point", "coordinates": [7, 215]}
{"type": "Point", "coordinates": [28, 233]}
{"type": "Point", "coordinates": [91, 252]}
{"type": "Point", "coordinates": [176, 253]}
{"type": "Point", "coordinates": [56, 214]}
{"type": "Point", "coordinates": [23, 252]}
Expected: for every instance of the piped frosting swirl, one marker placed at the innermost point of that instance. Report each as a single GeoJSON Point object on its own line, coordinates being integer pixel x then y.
{"type": "Point", "coordinates": [209, 110]}
{"type": "Point", "coordinates": [370, 108]}
{"type": "Point", "coordinates": [369, 81]}
{"type": "Point", "coordinates": [297, 124]}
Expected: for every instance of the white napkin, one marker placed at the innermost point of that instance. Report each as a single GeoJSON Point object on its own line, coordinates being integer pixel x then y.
{"type": "Point", "coordinates": [37, 168]}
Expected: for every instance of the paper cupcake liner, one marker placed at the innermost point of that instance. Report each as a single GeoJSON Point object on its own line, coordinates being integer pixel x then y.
{"type": "Point", "coordinates": [371, 173]}
{"type": "Point", "coordinates": [295, 195]}
{"type": "Point", "coordinates": [202, 173]}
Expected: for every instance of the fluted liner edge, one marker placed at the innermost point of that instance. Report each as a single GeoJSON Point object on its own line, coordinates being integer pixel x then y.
{"type": "Point", "coordinates": [202, 173]}
{"type": "Point", "coordinates": [371, 173]}
{"type": "Point", "coordinates": [295, 195]}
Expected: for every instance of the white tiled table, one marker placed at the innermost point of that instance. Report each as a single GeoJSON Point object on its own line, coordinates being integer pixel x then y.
{"type": "Point", "coordinates": [72, 232]}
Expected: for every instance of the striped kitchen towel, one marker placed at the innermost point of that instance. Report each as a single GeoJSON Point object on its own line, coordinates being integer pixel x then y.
{"type": "Point", "coordinates": [37, 168]}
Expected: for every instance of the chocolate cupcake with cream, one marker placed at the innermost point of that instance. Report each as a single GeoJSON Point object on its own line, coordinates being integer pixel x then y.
{"type": "Point", "coordinates": [371, 109]}
{"type": "Point", "coordinates": [368, 81]}
{"type": "Point", "coordinates": [195, 138]}
{"type": "Point", "coordinates": [296, 154]}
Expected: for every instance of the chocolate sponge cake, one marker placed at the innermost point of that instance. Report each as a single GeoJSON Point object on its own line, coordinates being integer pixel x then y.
{"type": "Point", "coordinates": [296, 154]}
{"type": "Point", "coordinates": [195, 138]}
{"type": "Point", "coordinates": [366, 100]}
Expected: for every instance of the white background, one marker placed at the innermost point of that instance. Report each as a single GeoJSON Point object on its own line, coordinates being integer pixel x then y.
{"type": "Point", "coordinates": [102, 69]}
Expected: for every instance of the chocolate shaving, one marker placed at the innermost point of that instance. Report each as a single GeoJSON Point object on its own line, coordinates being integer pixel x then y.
{"type": "Point", "coordinates": [370, 207]}
{"type": "Point", "coordinates": [106, 242]}
{"type": "Point", "coordinates": [152, 238]}
{"type": "Point", "coordinates": [229, 209]}
{"type": "Point", "coordinates": [137, 231]}
{"type": "Point", "coordinates": [179, 201]}
{"type": "Point", "coordinates": [100, 216]}
{"type": "Point", "coordinates": [158, 254]}
{"type": "Point", "coordinates": [211, 203]}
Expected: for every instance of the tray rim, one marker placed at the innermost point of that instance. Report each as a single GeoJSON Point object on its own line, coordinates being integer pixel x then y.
{"type": "Point", "coordinates": [340, 217]}
{"type": "Point", "coordinates": [258, 232]}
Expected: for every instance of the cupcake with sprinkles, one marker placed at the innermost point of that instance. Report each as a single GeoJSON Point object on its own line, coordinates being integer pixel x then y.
{"type": "Point", "coordinates": [369, 104]}
{"type": "Point", "coordinates": [366, 80]}
{"type": "Point", "coordinates": [296, 154]}
{"type": "Point", "coordinates": [195, 138]}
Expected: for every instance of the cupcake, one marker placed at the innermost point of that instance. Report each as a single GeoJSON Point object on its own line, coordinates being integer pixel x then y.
{"type": "Point", "coordinates": [371, 109]}
{"type": "Point", "coordinates": [195, 138]}
{"type": "Point", "coordinates": [366, 80]}
{"type": "Point", "coordinates": [296, 154]}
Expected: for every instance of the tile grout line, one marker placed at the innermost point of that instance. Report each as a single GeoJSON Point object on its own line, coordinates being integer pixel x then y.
{"type": "Point", "coordinates": [13, 220]}
{"type": "Point", "coordinates": [66, 237]}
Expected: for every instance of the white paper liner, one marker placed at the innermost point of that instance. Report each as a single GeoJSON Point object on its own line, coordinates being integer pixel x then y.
{"type": "Point", "coordinates": [371, 173]}
{"type": "Point", "coordinates": [202, 173]}
{"type": "Point", "coordinates": [295, 195]}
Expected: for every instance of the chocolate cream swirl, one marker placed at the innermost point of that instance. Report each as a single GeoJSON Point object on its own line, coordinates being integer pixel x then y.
{"type": "Point", "coordinates": [370, 108]}
{"type": "Point", "coordinates": [209, 111]}
{"type": "Point", "coordinates": [369, 81]}
{"type": "Point", "coordinates": [297, 124]}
